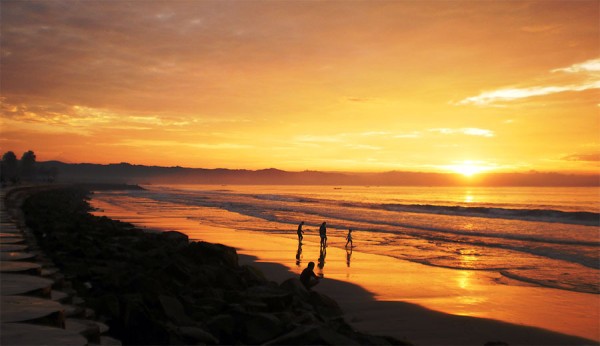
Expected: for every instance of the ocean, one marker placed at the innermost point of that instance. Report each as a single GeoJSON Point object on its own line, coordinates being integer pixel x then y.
{"type": "Point", "coordinates": [548, 237]}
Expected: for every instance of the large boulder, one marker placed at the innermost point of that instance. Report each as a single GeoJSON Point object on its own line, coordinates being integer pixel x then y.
{"type": "Point", "coordinates": [296, 287]}
{"type": "Point", "coordinates": [312, 335]}
{"type": "Point", "coordinates": [174, 311]}
{"type": "Point", "coordinates": [197, 336]}
{"type": "Point", "coordinates": [223, 327]}
{"type": "Point", "coordinates": [261, 327]}
{"type": "Point", "coordinates": [252, 276]}
{"type": "Point", "coordinates": [175, 237]}
{"type": "Point", "coordinates": [138, 323]}
{"type": "Point", "coordinates": [276, 298]}
{"type": "Point", "coordinates": [107, 305]}
{"type": "Point", "coordinates": [325, 305]}
{"type": "Point", "coordinates": [207, 253]}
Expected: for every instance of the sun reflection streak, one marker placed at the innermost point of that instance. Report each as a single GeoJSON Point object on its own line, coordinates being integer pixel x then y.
{"type": "Point", "coordinates": [464, 279]}
{"type": "Point", "coordinates": [469, 197]}
{"type": "Point", "coordinates": [468, 258]}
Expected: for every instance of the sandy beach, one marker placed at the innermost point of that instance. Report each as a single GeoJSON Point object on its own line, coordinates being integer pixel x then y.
{"type": "Point", "coordinates": [422, 304]}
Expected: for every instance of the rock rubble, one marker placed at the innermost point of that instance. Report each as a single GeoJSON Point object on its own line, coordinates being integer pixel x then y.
{"type": "Point", "coordinates": [160, 288]}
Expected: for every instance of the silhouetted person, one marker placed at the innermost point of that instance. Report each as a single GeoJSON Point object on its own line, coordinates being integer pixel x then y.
{"type": "Point", "coordinates": [308, 276]}
{"type": "Point", "coordinates": [300, 232]}
{"type": "Point", "coordinates": [323, 233]}
{"type": "Point", "coordinates": [299, 254]}
{"type": "Point", "coordinates": [349, 238]}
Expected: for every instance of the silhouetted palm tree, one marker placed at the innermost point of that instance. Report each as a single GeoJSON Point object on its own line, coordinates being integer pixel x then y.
{"type": "Point", "coordinates": [10, 168]}
{"type": "Point", "coordinates": [28, 165]}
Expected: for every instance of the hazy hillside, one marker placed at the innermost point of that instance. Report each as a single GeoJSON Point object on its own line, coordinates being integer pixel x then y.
{"type": "Point", "coordinates": [138, 174]}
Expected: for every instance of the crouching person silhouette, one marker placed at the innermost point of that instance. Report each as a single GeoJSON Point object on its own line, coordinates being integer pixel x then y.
{"type": "Point", "coordinates": [308, 277]}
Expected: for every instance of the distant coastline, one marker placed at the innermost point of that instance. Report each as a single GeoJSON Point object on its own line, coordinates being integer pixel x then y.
{"type": "Point", "coordinates": [126, 173]}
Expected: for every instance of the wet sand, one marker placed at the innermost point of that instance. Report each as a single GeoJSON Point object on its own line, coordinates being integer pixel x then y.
{"type": "Point", "coordinates": [391, 306]}
{"type": "Point", "coordinates": [383, 295]}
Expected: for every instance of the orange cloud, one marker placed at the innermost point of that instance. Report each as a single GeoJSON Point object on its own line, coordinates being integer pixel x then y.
{"type": "Point", "coordinates": [590, 69]}
{"type": "Point", "coordinates": [470, 131]}
{"type": "Point", "coordinates": [592, 157]}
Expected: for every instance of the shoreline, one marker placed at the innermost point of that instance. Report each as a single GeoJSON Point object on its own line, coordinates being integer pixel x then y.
{"type": "Point", "coordinates": [382, 312]}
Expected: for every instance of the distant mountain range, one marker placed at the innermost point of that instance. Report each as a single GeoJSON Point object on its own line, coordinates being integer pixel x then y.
{"type": "Point", "coordinates": [139, 174]}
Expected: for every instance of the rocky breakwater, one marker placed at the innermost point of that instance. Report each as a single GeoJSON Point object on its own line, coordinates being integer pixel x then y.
{"type": "Point", "coordinates": [159, 288]}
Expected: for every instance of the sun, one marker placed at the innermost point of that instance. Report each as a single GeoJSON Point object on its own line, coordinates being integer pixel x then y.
{"type": "Point", "coordinates": [467, 168]}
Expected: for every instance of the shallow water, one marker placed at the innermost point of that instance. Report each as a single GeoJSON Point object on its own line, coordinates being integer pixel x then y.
{"type": "Point", "coordinates": [543, 236]}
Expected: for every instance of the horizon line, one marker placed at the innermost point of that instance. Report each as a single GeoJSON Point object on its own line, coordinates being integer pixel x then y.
{"type": "Point", "coordinates": [531, 171]}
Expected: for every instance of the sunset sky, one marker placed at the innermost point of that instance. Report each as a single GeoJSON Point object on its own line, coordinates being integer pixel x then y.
{"type": "Point", "coordinates": [431, 86]}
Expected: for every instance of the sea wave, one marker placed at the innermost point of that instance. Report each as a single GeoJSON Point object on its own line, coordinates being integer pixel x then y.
{"type": "Point", "coordinates": [585, 287]}
{"type": "Point", "coordinates": [285, 198]}
{"type": "Point", "coordinates": [544, 215]}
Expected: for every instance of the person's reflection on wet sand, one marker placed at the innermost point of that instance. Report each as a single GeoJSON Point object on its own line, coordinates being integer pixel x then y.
{"type": "Point", "coordinates": [299, 254]}
{"type": "Point", "coordinates": [322, 255]}
{"type": "Point", "coordinates": [348, 256]}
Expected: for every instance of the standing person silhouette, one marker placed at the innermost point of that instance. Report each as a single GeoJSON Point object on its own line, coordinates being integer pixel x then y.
{"type": "Point", "coordinates": [308, 276]}
{"type": "Point", "coordinates": [323, 233]}
{"type": "Point", "coordinates": [300, 232]}
{"type": "Point", "coordinates": [349, 238]}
